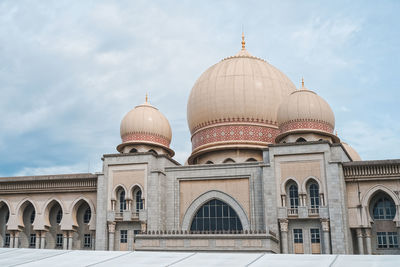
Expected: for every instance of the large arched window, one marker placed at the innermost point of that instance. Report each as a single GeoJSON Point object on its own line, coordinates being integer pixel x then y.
{"type": "Point", "coordinates": [314, 195]}
{"type": "Point", "coordinates": [293, 196]}
{"type": "Point", "coordinates": [384, 208]}
{"type": "Point", "coordinates": [216, 215]}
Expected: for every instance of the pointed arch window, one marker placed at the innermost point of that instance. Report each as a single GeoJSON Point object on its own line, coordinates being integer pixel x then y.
{"type": "Point", "coordinates": [384, 209]}
{"type": "Point", "coordinates": [87, 215]}
{"type": "Point", "coordinates": [139, 200]}
{"type": "Point", "coordinates": [314, 196]}
{"type": "Point", "coordinates": [59, 216]}
{"type": "Point", "coordinates": [293, 196]}
{"type": "Point", "coordinates": [122, 201]}
{"type": "Point", "coordinates": [32, 218]}
{"type": "Point", "coordinates": [216, 215]}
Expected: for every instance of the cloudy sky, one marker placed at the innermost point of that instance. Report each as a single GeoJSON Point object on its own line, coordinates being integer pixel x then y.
{"type": "Point", "coordinates": [70, 70]}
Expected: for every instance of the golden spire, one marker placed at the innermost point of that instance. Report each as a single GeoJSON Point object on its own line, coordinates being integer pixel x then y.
{"type": "Point", "coordinates": [147, 98]}
{"type": "Point", "coordinates": [302, 82]}
{"type": "Point", "coordinates": [243, 42]}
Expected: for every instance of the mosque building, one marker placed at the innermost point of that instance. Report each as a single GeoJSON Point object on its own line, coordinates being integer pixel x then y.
{"type": "Point", "coordinates": [266, 174]}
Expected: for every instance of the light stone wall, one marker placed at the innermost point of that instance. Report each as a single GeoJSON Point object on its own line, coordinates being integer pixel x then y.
{"type": "Point", "coordinates": [237, 188]}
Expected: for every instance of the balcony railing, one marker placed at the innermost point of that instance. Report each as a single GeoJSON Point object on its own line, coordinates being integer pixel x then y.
{"type": "Point", "coordinates": [293, 211]}
{"type": "Point", "coordinates": [313, 211]}
{"type": "Point", "coordinates": [135, 215]}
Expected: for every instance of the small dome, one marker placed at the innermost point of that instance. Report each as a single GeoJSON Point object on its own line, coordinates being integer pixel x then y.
{"type": "Point", "coordinates": [145, 124]}
{"type": "Point", "coordinates": [305, 111]}
{"type": "Point", "coordinates": [352, 152]}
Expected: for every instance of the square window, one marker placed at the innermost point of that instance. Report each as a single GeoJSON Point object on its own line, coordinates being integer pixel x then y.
{"type": "Point", "coordinates": [87, 241]}
{"type": "Point", "coordinates": [124, 236]}
{"type": "Point", "coordinates": [59, 240]}
{"type": "Point", "coordinates": [315, 237]}
{"type": "Point", "coordinates": [32, 241]}
{"type": "Point", "coordinates": [298, 235]}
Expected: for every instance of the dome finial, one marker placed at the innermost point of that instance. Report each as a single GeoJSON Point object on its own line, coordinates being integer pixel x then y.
{"type": "Point", "coordinates": [302, 82]}
{"type": "Point", "coordinates": [243, 42]}
{"type": "Point", "coordinates": [147, 98]}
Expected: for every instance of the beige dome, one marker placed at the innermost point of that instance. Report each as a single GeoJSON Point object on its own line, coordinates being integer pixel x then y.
{"type": "Point", "coordinates": [302, 111]}
{"type": "Point", "coordinates": [235, 101]}
{"type": "Point", "coordinates": [352, 152]}
{"type": "Point", "coordinates": [237, 88]}
{"type": "Point", "coordinates": [145, 124]}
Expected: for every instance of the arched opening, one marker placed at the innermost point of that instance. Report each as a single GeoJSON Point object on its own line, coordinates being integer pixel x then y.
{"type": "Point", "coordinates": [133, 150]}
{"type": "Point", "coordinates": [216, 215]}
{"type": "Point", "coordinates": [293, 198]}
{"type": "Point", "coordinates": [251, 160]}
{"type": "Point", "coordinates": [54, 236]}
{"type": "Point", "coordinates": [384, 231]}
{"type": "Point", "coordinates": [301, 139]}
{"type": "Point", "coordinates": [229, 160]}
{"type": "Point", "coordinates": [82, 236]}
{"type": "Point", "coordinates": [121, 200]}
{"type": "Point", "coordinates": [153, 151]}
{"type": "Point", "coordinates": [209, 162]}
{"type": "Point", "coordinates": [313, 193]}
{"type": "Point", "coordinates": [28, 236]}
{"type": "Point", "coordinates": [138, 200]}
{"type": "Point", "coordinates": [4, 234]}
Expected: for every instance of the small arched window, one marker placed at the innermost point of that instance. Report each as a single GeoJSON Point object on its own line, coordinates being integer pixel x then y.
{"type": "Point", "coordinates": [33, 214]}
{"type": "Point", "coordinates": [384, 208]}
{"type": "Point", "coordinates": [133, 150]}
{"type": "Point", "coordinates": [122, 201]}
{"type": "Point", "coordinates": [87, 215]}
{"type": "Point", "coordinates": [314, 195]}
{"type": "Point", "coordinates": [251, 160]}
{"type": "Point", "coordinates": [293, 196]}
{"type": "Point", "coordinates": [153, 151]}
{"type": "Point", "coordinates": [301, 139]}
{"type": "Point", "coordinates": [209, 162]}
{"type": "Point", "coordinates": [139, 200]}
{"type": "Point", "coordinates": [59, 216]}
{"type": "Point", "coordinates": [229, 160]}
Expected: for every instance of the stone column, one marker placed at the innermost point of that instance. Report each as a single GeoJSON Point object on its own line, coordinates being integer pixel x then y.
{"type": "Point", "coordinates": [284, 224]}
{"type": "Point", "coordinates": [70, 235]}
{"type": "Point", "coordinates": [326, 236]}
{"type": "Point", "coordinates": [11, 239]}
{"type": "Point", "coordinates": [360, 241]}
{"type": "Point", "coordinates": [16, 239]}
{"type": "Point", "coordinates": [113, 203]}
{"type": "Point", "coordinates": [128, 204]}
{"type": "Point", "coordinates": [65, 240]}
{"type": "Point", "coordinates": [43, 240]}
{"type": "Point", "coordinates": [93, 236]}
{"type": "Point", "coordinates": [368, 240]}
{"type": "Point", "coordinates": [111, 231]}
{"type": "Point", "coordinates": [38, 239]}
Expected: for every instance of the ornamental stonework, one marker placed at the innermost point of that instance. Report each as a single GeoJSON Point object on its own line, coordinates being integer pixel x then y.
{"type": "Point", "coordinates": [295, 125]}
{"type": "Point", "coordinates": [146, 137]}
{"type": "Point", "coordinates": [223, 133]}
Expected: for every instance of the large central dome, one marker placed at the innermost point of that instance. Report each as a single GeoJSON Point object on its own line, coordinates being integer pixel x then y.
{"type": "Point", "coordinates": [235, 102]}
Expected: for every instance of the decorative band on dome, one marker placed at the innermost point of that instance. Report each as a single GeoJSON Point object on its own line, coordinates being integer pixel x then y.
{"type": "Point", "coordinates": [224, 133]}
{"type": "Point", "coordinates": [306, 124]}
{"type": "Point", "coordinates": [224, 120]}
{"type": "Point", "coordinates": [146, 137]}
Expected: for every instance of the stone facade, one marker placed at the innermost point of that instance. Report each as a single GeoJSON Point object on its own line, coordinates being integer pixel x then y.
{"type": "Point", "coordinates": [171, 194]}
